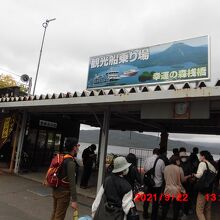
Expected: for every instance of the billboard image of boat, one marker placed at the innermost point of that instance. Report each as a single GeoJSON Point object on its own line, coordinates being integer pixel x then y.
{"type": "Point", "coordinates": [185, 60]}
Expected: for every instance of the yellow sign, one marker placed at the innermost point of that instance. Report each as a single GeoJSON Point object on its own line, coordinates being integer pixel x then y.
{"type": "Point", "coordinates": [5, 129]}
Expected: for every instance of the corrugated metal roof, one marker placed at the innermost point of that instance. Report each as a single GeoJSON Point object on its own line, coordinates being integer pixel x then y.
{"type": "Point", "coordinates": [170, 91]}
{"type": "Point", "coordinates": [126, 105]}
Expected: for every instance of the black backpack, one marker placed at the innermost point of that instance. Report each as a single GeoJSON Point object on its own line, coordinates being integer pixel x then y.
{"type": "Point", "coordinates": [149, 176]}
{"type": "Point", "coordinates": [205, 183]}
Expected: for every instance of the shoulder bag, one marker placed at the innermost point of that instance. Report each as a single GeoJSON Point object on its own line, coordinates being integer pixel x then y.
{"type": "Point", "coordinates": [149, 176]}
{"type": "Point", "coordinates": [205, 183]}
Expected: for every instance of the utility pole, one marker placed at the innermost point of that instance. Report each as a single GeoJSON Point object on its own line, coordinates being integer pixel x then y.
{"type": "Point", "coordinates": [45, 25]}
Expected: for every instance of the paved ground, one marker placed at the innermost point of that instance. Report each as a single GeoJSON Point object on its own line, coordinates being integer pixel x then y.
{"type": "Point", "coordinates": [23, 199]}
{"type": "Point", "coordinates": [90, 192]}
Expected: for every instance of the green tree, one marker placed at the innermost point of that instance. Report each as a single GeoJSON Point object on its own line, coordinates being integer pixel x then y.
{"type": "Point", "coordinates": [7, 81]}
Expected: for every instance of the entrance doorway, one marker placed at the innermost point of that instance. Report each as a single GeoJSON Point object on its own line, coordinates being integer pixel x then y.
{"type": "Point", "coordinates": [39, 147]}
{"type": "Point", "coordinates": [44, 137]}
{"type": "Point", "coordinates": [5, 153]}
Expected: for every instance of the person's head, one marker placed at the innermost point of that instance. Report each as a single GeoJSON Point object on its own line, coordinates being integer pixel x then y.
{"type": "Point", "coordinates": [156, 151]}
{"type": "Point", "coordinates": [121, 166]}
{"type": "Point", "coordinates": [72, 146]}
{"type": "Point", "coordinates": [175, 160]}
{"type": "Point", "coordinates": [182, 149]}
{"type": "Point", "coordinates": [93, 147]}
{"type": "Point", "coordinates": [206, 155]}
{"type": "Point", "coordinates": [175, 151]}
{"type": "Point", "coordinates": [195, 150]}
{"type": "Point", "coordinates": [131, 158]}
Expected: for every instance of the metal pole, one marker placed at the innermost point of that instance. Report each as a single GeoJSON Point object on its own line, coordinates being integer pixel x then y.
{"type": "Point", "coordinates": [20, 142]}
{"type": "Point", "coordinates": [45, 25]}
{"type": "Point", "coordinates": [103, 148]}
{"type": "Point", "coordinates": [29, 86]}
{"type": "Point", "coordinates": [99, 148]}
{"type": "Point", "coordinates": [15, 138]}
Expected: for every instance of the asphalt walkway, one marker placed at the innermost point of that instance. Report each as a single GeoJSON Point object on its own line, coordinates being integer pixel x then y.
{"type": "Point", "coordinates": [22, 199]}
{"type": "Point", "coordinates": [90, 193]}
{"type": "Point", "coordinates": [25, 199]}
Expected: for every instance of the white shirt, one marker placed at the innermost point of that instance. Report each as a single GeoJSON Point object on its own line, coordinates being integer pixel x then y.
{"type": "Point", "coordinates": [202, 167]}
{"type": "Point", "coordinates": [127, 202]}
{"type": "Point", "coordinates": [159, 169]}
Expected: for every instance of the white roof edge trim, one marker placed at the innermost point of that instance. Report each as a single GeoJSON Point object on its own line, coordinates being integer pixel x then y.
{"type": "Point", "coordinates": [117, 99]}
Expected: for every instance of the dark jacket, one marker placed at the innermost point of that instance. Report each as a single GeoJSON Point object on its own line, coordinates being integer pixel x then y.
{"type": "Point", "coordinates": [115, 188]}
{"type": "Point", "coordinates": [187, 167]}
{"type": "Point", "coordinates": [194, 161]}
{"type": "Point", "coordinates": [133, 176]}
{"type": "Point", "coordinates": [88, 157]}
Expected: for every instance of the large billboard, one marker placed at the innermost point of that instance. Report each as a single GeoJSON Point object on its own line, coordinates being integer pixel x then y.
{"type": "Point", "coordinates": [179, 61]}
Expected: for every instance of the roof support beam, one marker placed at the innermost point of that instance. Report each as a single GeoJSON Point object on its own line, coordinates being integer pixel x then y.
{"type": "Point", "coordinates": [103, 148]}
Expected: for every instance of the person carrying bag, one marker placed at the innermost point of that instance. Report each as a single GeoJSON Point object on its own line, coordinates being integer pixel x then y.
{"type": "Point", "coordinates": [205, 183]}
{"type": "Point", "coordinates": [149, 176]}
{"type": "Point", "coordinates": [205, 175]}
{"type": "Point", "coordinates": [115, 198]}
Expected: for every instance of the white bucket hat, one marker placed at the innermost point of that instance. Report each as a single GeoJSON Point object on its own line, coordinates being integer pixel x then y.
{"type": "Point", "coordinates": [120, 164]}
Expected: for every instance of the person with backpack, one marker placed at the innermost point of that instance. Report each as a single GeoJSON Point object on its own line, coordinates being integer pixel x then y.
{"type": "Point", "coordinates": [115, 198]}
{"type": "Point", "coordinates": [65, 188]}
{"type": "Point", "coordinates": [206, 166]}
{"type": "Point", "coordinates": [155, 165]}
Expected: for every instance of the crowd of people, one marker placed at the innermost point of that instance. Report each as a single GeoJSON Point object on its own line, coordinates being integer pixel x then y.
{"type": "Point", "coordinates": [174, 181]}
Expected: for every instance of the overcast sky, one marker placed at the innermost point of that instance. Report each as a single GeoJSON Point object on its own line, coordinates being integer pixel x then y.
{"type": "Point", "coordinates": [86, 28]}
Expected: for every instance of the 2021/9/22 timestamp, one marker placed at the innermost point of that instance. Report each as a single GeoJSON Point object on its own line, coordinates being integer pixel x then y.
{"type": "Point", "coordinates": [181, 197]}
{"type": "Point", "coordinates": [149, 197]}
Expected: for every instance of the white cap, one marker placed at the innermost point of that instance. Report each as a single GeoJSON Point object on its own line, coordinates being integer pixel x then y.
{"type": "Point", "coordinates": [120, 164]}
